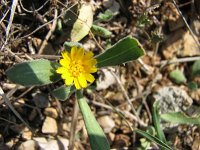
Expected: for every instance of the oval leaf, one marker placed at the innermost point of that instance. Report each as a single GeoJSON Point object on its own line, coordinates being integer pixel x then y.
{"type": "Point", "coordinates": [35, 72]}
{"type": "Point", "coordinates": [192, 86]}
{"type": "Point", "coordinates": [83, 24]}
{"type": "Point", "coordinates": [100, 31]}
{"type": "Point", "coordinates": [196, 68]}
{"type": "Point", "coordinates": [69, 45]}
{"type": "Point", "coordinates": [63, 92]}
{"type": "Point", "coordinates": [177, 76]}
{"type": "Point", "coordinates": [106, 16]}
{"type": "Point", "coordinates": [125, 50]}
{"type": "Point", "coordinates": [180, 118]}
{"type": "Point", "coordinates": [97, 137]}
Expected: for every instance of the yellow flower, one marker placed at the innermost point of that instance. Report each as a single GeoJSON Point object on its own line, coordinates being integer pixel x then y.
{"type": "Point", "coordinates": [76, 67]}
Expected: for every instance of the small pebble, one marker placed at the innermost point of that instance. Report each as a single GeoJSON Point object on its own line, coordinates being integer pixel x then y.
{"type": "Point", "coordinates": [51, 112]}
{"type": "Point", "coordinates": [106, 123]}
{"type": "Point", "coordinates": [50, 126]}
{"type": "Point", "coordinates": [28, 145]}
{"type": "Point", "coordinates": [27, 134]}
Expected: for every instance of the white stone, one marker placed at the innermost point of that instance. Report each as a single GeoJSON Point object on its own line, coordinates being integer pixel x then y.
{"type": "Point", "coordinates": [105, 80]}
{"type": "Point", "coordinates": [40, 139]}
{"type": "Point", "coordinates": [28, 145]}
{"type": "Point", "coordinates": [64, 143]}
{"type": "Point", "coordinates": [56, 145]}
{"type": "Point", "coordinates": [50, 126]}
{"type": "Point", "coordinates": [41, 142]}
{"type": "Point", "coordinates": [106, 123]}
{"type": "Point", "coordinates": [51, 145]}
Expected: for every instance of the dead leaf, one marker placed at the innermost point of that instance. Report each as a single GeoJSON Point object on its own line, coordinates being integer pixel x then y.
{"type": "Point", "coordinates": [83, 24]}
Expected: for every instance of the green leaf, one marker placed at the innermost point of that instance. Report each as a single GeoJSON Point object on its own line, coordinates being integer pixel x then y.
{"type": "Point", "coordinates": [145, 144]}
{"type": "Point", "coordinates": [180, 118]}
{"type": "Point", "coordinates": [83, 24]}
{"type": "Point", "coordinates": [192, 86]}
{"type": "Point", "coordinates": [106, 16]}
{"type": "Point", "coordinates": [63, 92]}
{"type": "Point", "coordinates": [177, 76]}
{"type": "Point", "coordinates": [156, 122]}
{"type": "Point", "coordinates": [196, 68]}
{"type": "Point", "coordinates": [151, 130]}
{"type": "Point", "coordinates": [100, 31]}
{"type": "Point", "coordinates": [59, 27]}
{"type": "Point", "coordinates": [97, 137]}
{"type": "Point", "coordinates": [125, 50]}
{"type": "Point", "coordinates": [35, 72]}
{"type": "Point", "coordinates": [69, 45]}
{"type": "Point", "coordinates": [153, 139]}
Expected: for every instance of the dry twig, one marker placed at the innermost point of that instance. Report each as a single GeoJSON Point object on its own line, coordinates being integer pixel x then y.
{"type": "Point", "coordinates": [191, 32]}
{"type": "Point", "coordinates": [30, 11]}
{"type": "Point", "coordinates": [14, 5]}
{"type": "Point", "coordinates": [179, 60]}
{"type": "Point", "coordinates": [125, 113]}
{"type": "Point", "coordinates": [13, 109]}
{"type": "Point", "coordinates": [42, 26]}
{"type": "Point", "coordinates": [44, 43]}
{"type": "Point", "coordinates": [73, 126]}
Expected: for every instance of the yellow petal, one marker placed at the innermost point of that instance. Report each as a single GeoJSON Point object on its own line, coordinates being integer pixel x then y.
{"type": "Point", "coordinates": [93, 70]}
{"type": "Point", "coordinates": [90, 62]}
{"type": "Point", "coordinates": [80, 53]}
{"type": "Point", "coordinates": [82, 81]}
{"type": "Point", "coordinates": [69, 80]}
{"type": "Point", "coordinates": [93, 61]}
{"type": "Point", "coordinates": [73, 52]}
{"type": "Point", "coordinates": [65, 75]}
{"type": "Point", "coordinates": [65, 55]}
{"type": "Point", "coordinates": [89, 77]}
{"type": "Point", "coordinates": [76, 83]}
{"type": "Point", "coordinates": [90, 69]}
{"type": "Point", "coordinates": [61, 70]}
{"type": "Point", "coordinates": [88, 55]}
{"type": "Point", "coordinates": [64, 62]}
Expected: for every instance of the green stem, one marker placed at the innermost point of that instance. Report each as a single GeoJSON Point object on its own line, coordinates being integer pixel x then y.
{"type": "Point", "coordinates": [98, 140]}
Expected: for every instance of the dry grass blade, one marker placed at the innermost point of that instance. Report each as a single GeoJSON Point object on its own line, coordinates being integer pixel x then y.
{"type": "Point", "coordinates": [42, 26]}
{"type": "Point", "coordinates": [119, 111]}
{"type": "Point", "coordinates": [14, 5]}
{"type": "Point", "coordinates": [50, 32]}
{"type": "Point", "coordinates": [4, 16]}
{"type": "Point", "coordinates": [179, 60]}
{"type": "Point", "coordinates": [13, 109]}
{"type": "Point", "coordinates": [73, 126]}
{"type": "Point", "coordinates": [197, 42]}
{"type": "Point", "coordinates": [126, 95]}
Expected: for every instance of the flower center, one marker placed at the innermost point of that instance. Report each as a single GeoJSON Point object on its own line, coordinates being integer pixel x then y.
{"type": "Point", "coordinates": [76, 68]}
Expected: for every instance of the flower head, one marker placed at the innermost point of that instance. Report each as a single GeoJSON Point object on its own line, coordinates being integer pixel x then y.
{"type": "Point", "coordinates": [76, 67]}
